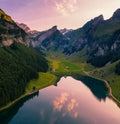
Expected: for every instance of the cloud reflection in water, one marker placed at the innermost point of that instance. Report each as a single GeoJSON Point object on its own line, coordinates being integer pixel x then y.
{"type": "Point", "coordinates": [66, 104]}
{"type": "Point", "coordinates": [59, 102]}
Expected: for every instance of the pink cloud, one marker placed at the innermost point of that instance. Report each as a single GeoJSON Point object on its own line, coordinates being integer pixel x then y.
{"type": "Point", "coordinates": [66, 7]}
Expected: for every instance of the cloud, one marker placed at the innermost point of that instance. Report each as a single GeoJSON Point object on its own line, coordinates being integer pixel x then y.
{"type": "Point", "coordinates": [66, 7]}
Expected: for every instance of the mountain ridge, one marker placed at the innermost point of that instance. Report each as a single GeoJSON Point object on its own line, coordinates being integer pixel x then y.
{"type": "Point", "coordinates": [50, 39]}
{"type": "Point", "coordinates": [98, 38]}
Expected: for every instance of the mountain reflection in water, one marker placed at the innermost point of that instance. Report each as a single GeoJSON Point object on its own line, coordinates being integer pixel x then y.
{"type": "Point", "coordinates": [71, 102]}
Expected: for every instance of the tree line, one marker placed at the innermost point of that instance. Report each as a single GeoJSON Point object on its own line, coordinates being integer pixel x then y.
{"type": "Point", "coordinates": [18, 65]}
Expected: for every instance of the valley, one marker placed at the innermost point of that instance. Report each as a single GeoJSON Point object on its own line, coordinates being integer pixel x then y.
{"type": "Point", "coordinates": [31, 60]}
{"type": "Point", "coordinates": [64, 66]}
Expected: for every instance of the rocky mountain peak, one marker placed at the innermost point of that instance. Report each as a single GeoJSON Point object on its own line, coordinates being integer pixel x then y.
{"type": "Point", "coordinates": [90, 25]}
{"type": "Point", "coordinates": [26, 28]}
{"type": "Point", "coordinates": [116, 13]}
{"type": "Point", "coordinates": [98, 19]}
{"type": "Point", "coordinates": [64, 31]}
{"type": "Point", "coordinates": [54, 28]}
{"type": "Point", "coordinates": [23, 26]}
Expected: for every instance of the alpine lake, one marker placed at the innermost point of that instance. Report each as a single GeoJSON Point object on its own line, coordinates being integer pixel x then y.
{"type": "Point", "coordinates": [78, 100]}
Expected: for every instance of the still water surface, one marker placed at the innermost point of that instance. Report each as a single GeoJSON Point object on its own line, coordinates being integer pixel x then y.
{"type": "Point", "coordinates": [70, 102]}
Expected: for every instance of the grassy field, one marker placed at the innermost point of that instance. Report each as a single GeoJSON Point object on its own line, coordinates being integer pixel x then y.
{"type": "Point", "coordinates": [44, 80]}
{"type": "Point", "coordinates": [66, 65]}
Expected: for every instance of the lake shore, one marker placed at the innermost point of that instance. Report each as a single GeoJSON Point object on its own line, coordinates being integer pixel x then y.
{"type": "Point", "coordinates": [110, 95]}
{"type": "Point", "coordinates": [44, 80]}
{"type": "Point", "coordinates": [53, 82]}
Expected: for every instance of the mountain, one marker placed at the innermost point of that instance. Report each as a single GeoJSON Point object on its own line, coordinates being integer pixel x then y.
{"type": "Point", "coordinates": [10, 32]}
{"type": "Point", "coordinates": [100, 38]}
{"type": "Point", "coordinates": [18, 62]}
{"type": "Point", "coordinates": [18, 65]}
{"type": "Point", "coordinates": [64, 31]}
{"type": "Point", "coordinates": [51, 39]}
{"type": "Point", "coordinates": [26, 28]}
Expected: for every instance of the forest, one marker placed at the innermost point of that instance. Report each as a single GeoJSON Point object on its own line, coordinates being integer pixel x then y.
{"type": "Point", "coordinates": [18, 65]}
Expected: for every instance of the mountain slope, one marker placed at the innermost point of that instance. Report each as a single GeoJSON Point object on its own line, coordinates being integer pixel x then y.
{"type": "Point", "coordinates": [18, 63]}
{"type": "Point", "coordinates": [10, 32]}
{"type": "Point", "coordinates": [100, 38]}
{"type": "Point", "coordinates": [51, 39]}
{"type": "Point", "coordinates": [26, 28]}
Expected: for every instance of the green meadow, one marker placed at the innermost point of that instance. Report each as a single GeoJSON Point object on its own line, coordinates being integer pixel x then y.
{"type": "Point", "coordinates": [44, 80]}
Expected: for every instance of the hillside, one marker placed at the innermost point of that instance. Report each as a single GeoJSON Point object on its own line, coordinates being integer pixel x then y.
{"type": "Point", "coordinates": [18, 62]}
{"type": "Point", "coordinates": [99, 38]}
{"type": "Point", "coordinates": [10, 32]}
{"type": "Point", "coordinates": [51, 39]}
{"type": "Point", "coordinates": [18, 65]}
{"type": "Point", "coordinates": [26, 28]}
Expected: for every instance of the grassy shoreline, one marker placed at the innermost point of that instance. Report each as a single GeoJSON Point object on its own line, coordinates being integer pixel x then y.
{"type": "Point", "coordinates": [110, 94]}
{"type": "Point", "coordinates": [44, 80]}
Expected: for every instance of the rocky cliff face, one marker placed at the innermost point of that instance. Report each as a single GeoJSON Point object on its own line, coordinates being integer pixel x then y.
{"type": "Point", "coordinates": [99, 37]}
{"type": "Point", "coordinates": [64, 31]}
{"type": "Point", "coordinates": [51, 39]}
{"type": "Point", "coordinates": [26, 28]}
{"type": "Point", "coordinates": [10, 32]}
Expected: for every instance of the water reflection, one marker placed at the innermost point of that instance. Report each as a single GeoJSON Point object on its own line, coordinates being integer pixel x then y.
{"type": "Point", "coordinates": [66, 105]}
{"type": "Point", "coordinates": [97, 87]}
{"type": "Point", "coordinates": [71, 102]}
{"type": "Point", "coordinates": [60, 101]}
{"type": "Point", "coordinates": [8, 114]}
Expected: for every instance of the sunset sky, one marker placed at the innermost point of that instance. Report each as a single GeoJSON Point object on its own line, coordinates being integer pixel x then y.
{"type": "Point", "coordinates": [43, 14]}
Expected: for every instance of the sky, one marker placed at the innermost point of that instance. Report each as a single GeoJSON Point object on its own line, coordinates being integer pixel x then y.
{"type": "Point", "coordinates": [44, 14]}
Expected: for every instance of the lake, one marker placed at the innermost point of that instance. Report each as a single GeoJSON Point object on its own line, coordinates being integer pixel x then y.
{"type": "Point", "coordinates": [72, 101]}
